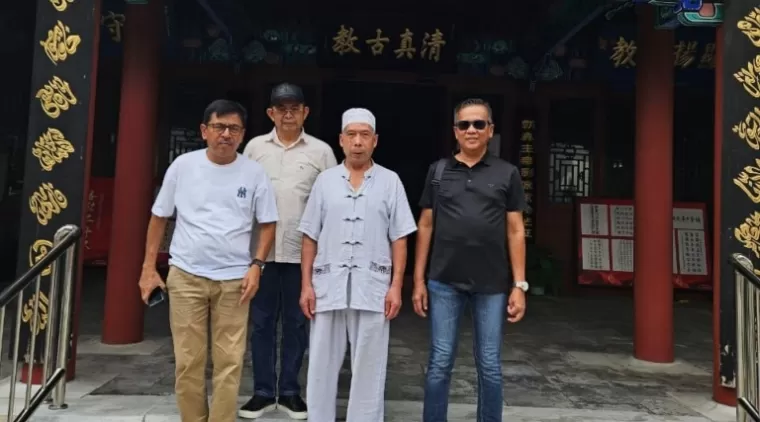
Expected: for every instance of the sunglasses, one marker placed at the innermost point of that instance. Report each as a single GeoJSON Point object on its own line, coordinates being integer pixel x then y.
{"type": "Point", "coordinates": [466, 124]}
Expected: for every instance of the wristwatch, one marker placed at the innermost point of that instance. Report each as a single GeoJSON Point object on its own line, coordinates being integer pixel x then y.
{"type": "Point", "coordinates": [260, 263]}
{"type": "Point", "coordinates": [522, 285]}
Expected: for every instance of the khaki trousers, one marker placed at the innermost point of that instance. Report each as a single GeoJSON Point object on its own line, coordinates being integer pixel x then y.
{"type": "Point", "coordinates": [191, 300]}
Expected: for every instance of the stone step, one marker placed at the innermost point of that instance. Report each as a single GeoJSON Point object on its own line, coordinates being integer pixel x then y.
{"type": "Point", "coordinates": [163, 409]}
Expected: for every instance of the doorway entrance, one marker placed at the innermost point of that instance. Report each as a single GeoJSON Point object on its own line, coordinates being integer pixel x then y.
{"type": "Point", "coordinates": [411, 120]}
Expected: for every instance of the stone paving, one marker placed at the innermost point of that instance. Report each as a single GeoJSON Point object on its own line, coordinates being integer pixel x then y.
{"type": "Point", "coordinates": [569, 360]}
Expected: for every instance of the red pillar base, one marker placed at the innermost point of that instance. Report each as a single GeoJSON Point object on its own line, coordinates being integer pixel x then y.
{"type": "Point", "coordinates": [724, 396]}
{"type": "Point", "coordinates": [37, 375]}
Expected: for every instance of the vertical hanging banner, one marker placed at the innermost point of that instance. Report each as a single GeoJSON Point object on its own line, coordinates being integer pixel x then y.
{"type": "Point", "coordinates": [527, 161]}
{"type": "Point", "coordinates": [57, 144]}
{"type": "Point", "coordinates": [740, 164]}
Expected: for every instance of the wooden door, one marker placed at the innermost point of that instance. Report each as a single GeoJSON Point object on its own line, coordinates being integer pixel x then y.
{"type": "Point", "coordinates": [569, 166]}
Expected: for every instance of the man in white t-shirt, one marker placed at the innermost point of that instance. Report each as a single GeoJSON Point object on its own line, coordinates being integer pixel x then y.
{"type": "Point", "coordinates": [216, 194]}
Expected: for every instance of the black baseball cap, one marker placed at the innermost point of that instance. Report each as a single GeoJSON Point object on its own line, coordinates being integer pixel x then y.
{"type": "Point", "coordinates": [286, 92]}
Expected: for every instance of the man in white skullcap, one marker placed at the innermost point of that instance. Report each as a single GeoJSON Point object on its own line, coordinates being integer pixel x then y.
{"type": "Point", "coordinates": [353, 258]}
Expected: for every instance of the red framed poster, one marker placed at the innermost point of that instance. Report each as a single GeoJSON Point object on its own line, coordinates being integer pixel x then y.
{"type": "Point", "coordinates": [605, 229]}
{"type": "Point", "coordinates": [97, 231]}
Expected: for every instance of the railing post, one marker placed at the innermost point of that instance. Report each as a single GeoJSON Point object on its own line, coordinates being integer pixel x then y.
{"type": "Point", "coordinates": [745, 296]}
{"type": "Point", "coordinates": [64, 333]}
{"type": "Point", "coordinates": [66, 239]}
{"type": "Point", "coordinates": [35, 329]}
{"type": "Point", "coordinates": [17, 340]}
{"type": "Point", "coordinates": [55, 279]}
{"type": "Point", "coordinates": [753, 346]}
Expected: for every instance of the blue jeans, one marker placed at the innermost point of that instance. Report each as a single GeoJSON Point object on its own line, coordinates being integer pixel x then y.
{"type": "Point", "coordinates": [488, 311]}
{"type": "Point", "coordinates": [279, 292]}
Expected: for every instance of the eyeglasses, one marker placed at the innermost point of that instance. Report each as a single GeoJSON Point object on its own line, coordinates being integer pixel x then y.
{"type": "Point", "coordinates": [477, 124]}
{"type": "Point", "coordinates": [219, 128]}
{"type": "Point", "coordinates": [288, 109]}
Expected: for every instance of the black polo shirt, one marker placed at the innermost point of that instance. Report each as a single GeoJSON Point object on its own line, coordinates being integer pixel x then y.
{"type": "Point", "coordinates": [469, 245]}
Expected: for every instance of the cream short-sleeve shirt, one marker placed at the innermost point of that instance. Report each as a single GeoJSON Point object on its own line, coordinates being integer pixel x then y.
{"type": "Point", "coordinates": [292, 170]}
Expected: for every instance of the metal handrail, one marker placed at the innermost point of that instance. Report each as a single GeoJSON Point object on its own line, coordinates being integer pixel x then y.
{"type": "Point", "coordinates": [747, 339]}
{"type": "Point", "coordinates": [64, 246]}
{"type": "Point", "coordinates": [749, 409]}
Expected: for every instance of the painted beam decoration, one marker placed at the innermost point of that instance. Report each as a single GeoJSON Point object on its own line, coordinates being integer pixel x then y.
{"type": "Point", "coordinates": [57, 150]}
{"type": "Point", "coordinates": [740, 173]}
{"type": "Point", "coordinates": [674, 13]}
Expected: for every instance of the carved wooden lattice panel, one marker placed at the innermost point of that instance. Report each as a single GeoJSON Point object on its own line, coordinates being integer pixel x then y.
{"type": "Point", "coordinates": [569, 172]}
{"type": "Point", "coordinates": [184, 140]}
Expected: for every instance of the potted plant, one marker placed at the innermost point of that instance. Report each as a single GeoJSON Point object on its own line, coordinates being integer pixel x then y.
{"type": "Point", "coordinates": [542, 271]}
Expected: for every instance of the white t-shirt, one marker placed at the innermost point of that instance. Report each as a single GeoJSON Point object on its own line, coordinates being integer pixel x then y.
{"type": "Point", "coordinates": [216, 206]}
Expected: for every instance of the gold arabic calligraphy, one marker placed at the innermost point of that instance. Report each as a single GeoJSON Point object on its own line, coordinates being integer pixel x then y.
{"type": "Point", "coordinates": [750, 26]}
{"type": "Point", "coordinates": [749, 181]}
{"type": "Point", "coordinates": [37, 251]}
{"type": "Point", "coordinates": [55, 97]}
{"type": "Point", "coordinates": [47, 202]}
{"type": "Point", "coordinates": [61, 5]}
{"type": "Point", "coordinates": [42, 313]}
{"type": "Point", "coordinates": [60, 43]}
{"type": "Point", "coordinates": [749, 129]}
{"type": "Point", "coordinates": [52, 148]}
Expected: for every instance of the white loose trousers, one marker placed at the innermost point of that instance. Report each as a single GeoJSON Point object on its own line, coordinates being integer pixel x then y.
{"type": "Point", "coordinates": [368, 334]}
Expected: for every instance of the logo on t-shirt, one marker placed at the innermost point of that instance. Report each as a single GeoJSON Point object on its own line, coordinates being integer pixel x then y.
{"type": "Point", "coordinates": [242, 192]}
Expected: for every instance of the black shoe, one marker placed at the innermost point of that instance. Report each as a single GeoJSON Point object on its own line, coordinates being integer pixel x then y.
{"type": "Point", "coordinates": [257, 407]}
{"type": "Point", "coordinates": [293, 406]}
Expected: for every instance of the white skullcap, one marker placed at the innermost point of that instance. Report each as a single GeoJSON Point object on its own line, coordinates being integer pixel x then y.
{"type": "Point", "coordinates": [358, 115]}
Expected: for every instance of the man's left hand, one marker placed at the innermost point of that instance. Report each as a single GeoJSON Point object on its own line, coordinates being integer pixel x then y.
{"type": "Point", "coordinates": [250, 284]}
{"type": "Point", "coordinates": [516, 306]}
{"type": "Point", "coordinates": [392, 303]}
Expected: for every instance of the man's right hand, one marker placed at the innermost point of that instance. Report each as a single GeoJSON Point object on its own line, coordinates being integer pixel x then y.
{"type": "Point", "coordinates": [308, 301]}
{"type": "Point", "coordinates": [420, 298]}
{"type": "Point", "coordinates": [149, 280]}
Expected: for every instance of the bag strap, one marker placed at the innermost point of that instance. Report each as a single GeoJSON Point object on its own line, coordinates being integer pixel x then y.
{"type": "Point", "coordinates": [435, 183]}
{"type": "Point", "coordinates": [440, 166]}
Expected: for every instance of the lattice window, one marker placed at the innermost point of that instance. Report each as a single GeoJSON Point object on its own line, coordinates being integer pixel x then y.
{"type": "Point", "coordinates": [184, 140]}
{"type": "Point", "coordinates": [569, 172]}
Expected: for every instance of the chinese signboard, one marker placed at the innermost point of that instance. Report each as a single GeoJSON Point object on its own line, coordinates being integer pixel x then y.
{"type": "Point", "coordinates": [112, 21]}
{"type": "Point", "coordinates": [606, 244]}
{"type": "Point", "coordinates": [740, 168]}
{"type": "Point", "coordinates": [621, 53]}
{"type": "Point", "coordinates": [389, 46]}
{"type": "Point", "coordinates": [617, 51]}
{"type": "Point", "coordinates": [527, 167]}
{"type": "Point", "coordinates": [59, 122]}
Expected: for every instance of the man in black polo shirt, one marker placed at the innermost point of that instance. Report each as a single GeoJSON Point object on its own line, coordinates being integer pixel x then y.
{"type": "Point", "coordinates": [477, 200]}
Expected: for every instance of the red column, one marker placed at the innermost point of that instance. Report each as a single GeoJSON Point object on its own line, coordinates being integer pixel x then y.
{"type": "Point", "coordinates": [133, 185]}
{"type": "Point", "coordinates": [721, 394]}
{"type": "Point", "coordinates": [653, 280]}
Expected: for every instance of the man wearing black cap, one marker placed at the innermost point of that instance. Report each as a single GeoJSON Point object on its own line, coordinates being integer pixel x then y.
{"type": "Point", "coordinates": [292, 159]}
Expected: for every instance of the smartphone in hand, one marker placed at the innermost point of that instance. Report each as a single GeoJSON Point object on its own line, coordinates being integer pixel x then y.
{"type": "Point", "coordinates": [157, 296]}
